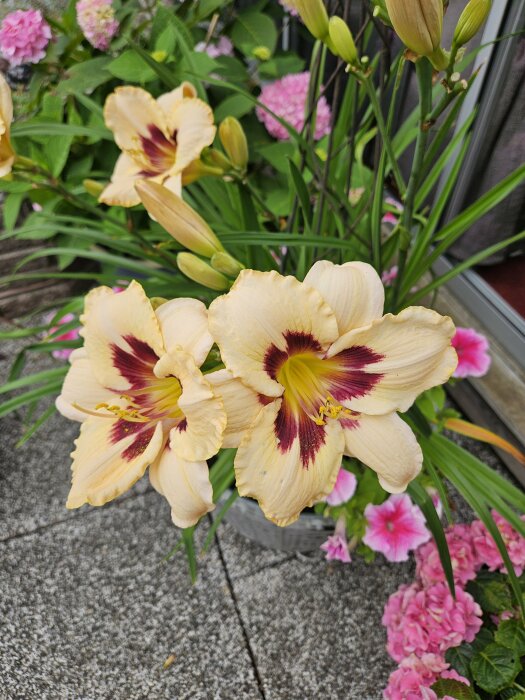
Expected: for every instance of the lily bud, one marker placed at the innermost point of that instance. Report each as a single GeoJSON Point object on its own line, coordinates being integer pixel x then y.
{"type": "Point", "coordinates": [202, 273]}
{"type": "Point", "coordinates": [314, 15]}
{"type": "Point", "coordinates": [227, 264]}
{"type": "Point", "coordinates": [234, 141]}
{"type": "Point", "coordinates": [179, 219]}
{"type": "Point", "coordinates": [93, 187]}
{"type": "Point", "coordinates": [472, 19]}
{"type": "Point", "coordinates": [380, 11]}
{"type": "Point", "coordinates": [342, 40]}
{"type": "Point", "coordinates": [418, 23]}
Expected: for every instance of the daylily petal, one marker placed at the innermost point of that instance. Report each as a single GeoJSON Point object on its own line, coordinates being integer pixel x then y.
{"type": "Point", "coordinates": [242, 405]}
{"type": "Point", "coordinates": [388, 446]}
{"type": "Point", "coordinates": [119, 328]}
{"type": "Point", "coordinates": [192, 121]}
{"type": "Point", "coordinates": [174, 184]}
{"type": "Point", "coordinates": [184, 323]}
{"type": "Point", "coordinates": [6, 106]}
{"type": "Point", "coordinates": [353, 291]}
{"type": "Point", "coordinates": [81, 388]}
{"type": "Point", "coordinates": [261, 310]}
{"type": "Point", "coordinates": [110, 456]}
{"type": "Point", "coordinates": [277, 479]}
{"type": "Point", "coordinates": [130, 112]}
{"type": "Point", "coordinates": [199, 435]}
{"type": "Point", "coordinates": [121, 190]}
{"type": "Point", "coordinates": [185, 485]}
{"type": "Point", "coordinates": [411, 353]}
{"type": "Point", "coordinates": [170, 100]}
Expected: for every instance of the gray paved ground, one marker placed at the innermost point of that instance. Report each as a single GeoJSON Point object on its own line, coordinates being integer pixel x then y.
{"type": "Point", "coordinates": [88, 610]}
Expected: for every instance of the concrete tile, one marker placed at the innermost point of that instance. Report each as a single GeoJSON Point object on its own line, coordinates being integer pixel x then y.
{"type": "Point", "coordinates": [89, 611]}
{"type": "Point", "coordinates": [315, 628]}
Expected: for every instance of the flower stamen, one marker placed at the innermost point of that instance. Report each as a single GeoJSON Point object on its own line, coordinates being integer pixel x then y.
{"type": "Point", "coordinates": [331, 409]}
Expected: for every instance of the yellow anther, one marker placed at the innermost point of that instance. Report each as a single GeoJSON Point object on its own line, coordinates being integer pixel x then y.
{"type": "Point", "coordinates": [101, 405]}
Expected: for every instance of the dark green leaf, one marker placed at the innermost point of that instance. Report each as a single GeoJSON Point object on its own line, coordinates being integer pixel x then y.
{"type": "Point", "coordinates": [459, 658]}
{"type": "Point", "coordinates": [252, 30]}
{"type": "Point", "coordinates": [454, 689]}
{"type": "Point", "coordinates": [131, 67]}
{"type": "Point", "coordinates": [495, 667]}
{"type": "Point", "coordinates": [493, 597]}
{"type": "Point", "coordinates": [511, 634]}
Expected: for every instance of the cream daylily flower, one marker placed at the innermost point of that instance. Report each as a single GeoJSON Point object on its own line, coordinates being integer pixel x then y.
{"type": "Point", "coordinates": [143, 401]}
{"type": "Point", "coordinates": [159, 139]}
{"type": "Point", "coordinates": [7, 154]}
{"type": "Point", "coordinates": [330, 372]}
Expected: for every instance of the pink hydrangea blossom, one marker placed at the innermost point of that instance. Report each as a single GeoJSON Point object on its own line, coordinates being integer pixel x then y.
{"type": "Point", "coordinates": [486, 550]}
{"type": "Point", "coordinates": [395, 527]}
{"type": "Point", "coordinates": [453, 675]}
{"type": "Point", "coordinates": [413, 678]}
{"type": "Point", "coordinates": [96, 19]}
{"type": "Point", "coordinates": [287, 98]}
{"type": "Point", "coordinates": [472, 349]}
{"type": "Point", "coordinates": [389, 276]}
{"type": "Point", "coordinates": [223, 47]}
{"type": "Point", "coordinates": [344, 488]}
{"type": "Point", "coordinates": [288, 6]}
{"type": "Point", "coordinates": [24, 36]}
{"type": "Point", "coordinates": [429, 620]}
{"type": "Point", "coordinates": [72, 334]}
{"type": "Point", "coordinates": [462, 555]}
{"type": "Point", "coordinates": [336, 546]}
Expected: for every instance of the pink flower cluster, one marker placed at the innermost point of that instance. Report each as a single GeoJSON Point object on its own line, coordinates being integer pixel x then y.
{"type": "Point", "coordinates": [287, 98]}
{"type": "Point", "coordinates": [96, 19]}
{"type": "Point", "coordinates": [472, 349]}
{"type": "Point", "coordinates": [24, 36]}
{"type": "Point", "coordinates": [223, 47]}
{"type": "Point", "coordinates": [423, 620]}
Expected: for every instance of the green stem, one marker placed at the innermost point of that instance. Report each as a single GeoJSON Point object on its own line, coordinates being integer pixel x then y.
{"type": "Point", "coordinates": [424, 77]}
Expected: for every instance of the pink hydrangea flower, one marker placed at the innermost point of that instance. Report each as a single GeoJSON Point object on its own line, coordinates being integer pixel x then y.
{"type": "Point", "coordinates": [24, 36]}
{"type": "Point", "coordinates": [472, 349]}
{"type": "Point", "coordinates": [486, 550]}
{"type": "Point", "coordinates": [389, 276]}
{"type": "Point", "coordinates": [413, 678]}
{"type": "Point", "coordinates": [462, 555]}
{"type": "Point", "coordinates": [73, 334]}
{"type": "Point", "coordinates": [96, 19]}
{"type": "Point", "coordinates": [395, 527]}
{"type": "Point", "coordinates": [344, 488]}
{"type": "Point", "coordinates": [453, 675]}
{"type": "Point", "coordinates": [429, 620]}
{"type": "Point", "coordinates": [336, 546]}
{"type": "Point", "coordinates": [223, 47]}
{"type": "Point", "coordinates": [287, 98]}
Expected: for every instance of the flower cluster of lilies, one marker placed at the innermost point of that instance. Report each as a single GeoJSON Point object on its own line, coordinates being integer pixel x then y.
{"type": "Point", "coordinates": [308, 372]}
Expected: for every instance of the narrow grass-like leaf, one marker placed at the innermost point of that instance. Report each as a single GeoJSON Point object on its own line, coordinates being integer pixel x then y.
{"type": "Point", "coordinates": [49, 374]}
{"type": "Point", "coordinates": [51, 410]}
{"type": "Point", "coordinates": [217, 519]}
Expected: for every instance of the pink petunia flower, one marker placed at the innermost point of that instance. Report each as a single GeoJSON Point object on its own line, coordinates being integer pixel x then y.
{"type": "Point", "coordinates": [436, 500]}
{"type": "Point", "coordinates": [96, 19]}
{"type": "Point", "coordinates": [344, 488]}
{"type": "Point", "coordinates": [395, 527]}
{"type": "Point", "coordinates": [72, 334]}
{"type": "Point", "coordinates": [472, 349]}
{"type": "Point", "coordinates": [486, 550]}
{"type": "Point", "coordinates": [336, 546]}
{"type": "Point", "coordinates": [462, 555]}
{"type": "Point", "coordinates": [429, 620]}
{"type": "Point", "coordinates": [287, 98]}
{"type": "Point", "coordinates": [223, 47]}
{"type": "Point", "coordinates": [24, 36]}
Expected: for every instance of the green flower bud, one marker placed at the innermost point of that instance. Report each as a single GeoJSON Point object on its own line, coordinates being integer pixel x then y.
{"type": "Point", "coordinates": [472, 19]}
{"type": "Point", "coordinates": [342, 40]}
{"type": "Point", "coordinates": [234, 142]}
{"type": "Point", "coordinates": [227, 264]}
{"type": "Point", "coordinates": [93, 187]}
{"type": "Point", "coordinates": [314, 15]}
{"type": "Point", "coordinates": [202, 273]}
{"type": "Point", "coordinates": [263, 53]}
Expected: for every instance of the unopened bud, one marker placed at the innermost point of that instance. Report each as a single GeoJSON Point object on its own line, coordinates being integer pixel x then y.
{"type": "Point", "coordinates": [380, 11]}
{"type": "Point", "coordinates": [93, 188]}
{"type": "Point", "coordinates": [314, 15]}
{"type": "Point", "coordinates": [342, 40]}
{"type": "Point", "coordinates": [179, 219]}
{"type": "Point", "coordinates": [215, 159]}
{"type": "Point", "coordinates": [234, 141]}
{"type": "Point", "coordinates": [199, 271]}
{"type": "Point", "coordinates": [471, 20]}
{"type": "Point", "coordinates": [263, 53]}
{"type": "Point", "coordinates": [227, 264]}
{"type": "Point", "coordinates": [159, 56]}
{"type": "Point", "coordinates": [418, 23]}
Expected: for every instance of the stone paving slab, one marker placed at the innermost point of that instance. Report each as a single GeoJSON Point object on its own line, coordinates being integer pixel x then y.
{"type": "Point", "coordinates": [89, 611]}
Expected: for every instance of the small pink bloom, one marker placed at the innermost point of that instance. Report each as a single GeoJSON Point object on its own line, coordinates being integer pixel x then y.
{"type": "Point", "coordinates": [289, 8]}
{"type": "Point", "coordinates": [389, 276]}
{"type": "Point", "coordinates": [287, 98]}
{"type": "Point", "coordinates": [336, 546]}
{"type": "Point", "coordinates": [96, 19]}
{"type": "Point", "coordinates": [413, 678]}
{"type": "Point", "coordinates": [24, 36]}
{"type": "Point", "coordinates": [462, 555]}
{"type": "Point", "coordinates": [472, 349]}
{"type": "Point", "coordinates": [344, 488]}
{"type": "Point", "coordinates": [453, 675]}
{"type": "Point", "coordinates": [486, 550]}
{"type": "Point", "coordinates": [223, 47]}
{"type": "Point", "coordinates": [434, 495]}
{"type": "Point", "coordinates": [395, 527]}
{"type": "Point", "coordinates": [68, 335]}
{"type": "Point", "coordinates": [429, 620]}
